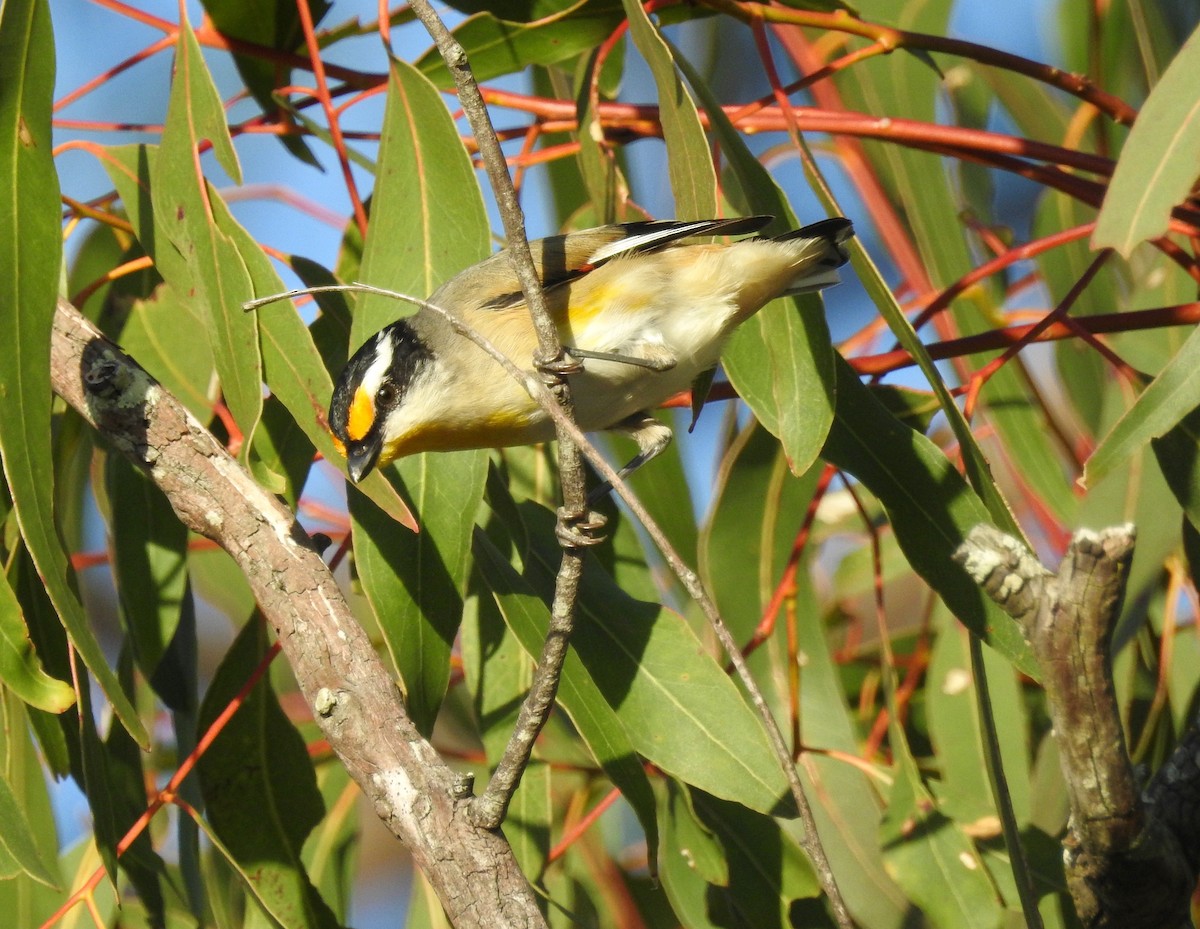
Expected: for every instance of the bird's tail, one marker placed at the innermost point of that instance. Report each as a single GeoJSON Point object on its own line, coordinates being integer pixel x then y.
{"type": "Point", "coordinates": [821, 252]}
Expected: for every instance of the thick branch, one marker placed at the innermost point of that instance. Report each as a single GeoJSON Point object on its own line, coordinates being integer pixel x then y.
{"type": "Point", "coordinates": [354, 700]}
{"type": "Point", "coordinates": [1125, 855]}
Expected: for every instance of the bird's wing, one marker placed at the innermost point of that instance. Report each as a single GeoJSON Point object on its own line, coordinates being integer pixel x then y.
{"type": "Point", "coordinates": [492, 284]}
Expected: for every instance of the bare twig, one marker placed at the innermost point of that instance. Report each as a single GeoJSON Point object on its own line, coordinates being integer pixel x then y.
{"type": "Point", "coordinates": [488, 809]}
{"type": "Point", "coordinates": [354, 700]}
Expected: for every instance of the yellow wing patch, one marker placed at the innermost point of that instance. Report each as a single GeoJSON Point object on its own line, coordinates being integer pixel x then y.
{"type": "Point", "coordinates": [362, 414]}
{"type": "Point", "coordinates": [597, 293]}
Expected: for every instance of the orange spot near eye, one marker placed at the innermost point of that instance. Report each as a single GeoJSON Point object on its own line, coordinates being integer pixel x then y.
{"type": "Point", "coordinates": [362, 414]}
{"type": "Point", "coordinates": [337, 443]}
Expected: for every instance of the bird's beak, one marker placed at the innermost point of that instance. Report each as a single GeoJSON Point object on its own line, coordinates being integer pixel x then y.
{"type": "Point", "coordinates": [361, 458]}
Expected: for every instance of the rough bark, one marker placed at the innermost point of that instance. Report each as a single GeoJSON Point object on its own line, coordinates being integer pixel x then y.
{"type": "Point", "coordinates": [354, 700]}
{"type": "Point", "coordinates": [1131, 857]}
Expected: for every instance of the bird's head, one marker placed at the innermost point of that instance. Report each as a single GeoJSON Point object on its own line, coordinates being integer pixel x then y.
{"type": "Point", "coordinates": [367, 413]}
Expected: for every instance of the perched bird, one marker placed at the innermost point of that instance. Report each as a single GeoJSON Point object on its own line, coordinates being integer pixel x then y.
{"type": "Point", "coordinates": [645, 310]}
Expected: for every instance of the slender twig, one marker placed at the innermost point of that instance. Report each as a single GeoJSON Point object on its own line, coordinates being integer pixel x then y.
{"type": "Point", "coordinates": [1077, 85]}
{"type": "Point", "coordinates": [488, 809]}
{"type": "Point", "coordinates": [317, 64]}
{"type": "Point", "coordinates": [1183, 314]}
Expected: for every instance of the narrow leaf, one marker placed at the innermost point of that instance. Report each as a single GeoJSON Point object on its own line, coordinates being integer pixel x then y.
{"type": "Point", "coordinates": [1169, 398]}
{"type": "Point", "coordinates": [598, 724]}
{"type": "Point", "coordinates": [1159, 162]}
{"type": "Point", "coordinates": [271, 26]}
{"type": "Point", "coordinates": [209, 268]}
{"type": "Point", "coordinates": [689, 161]}
{"type": "Point", "coordinates": [681, 710]}
{"type": "Point", "coordinates": [930, 506]}
{"type": "Point", "coordinates": [413, 242]}
{"type": "Point", "coordinates": [18, 851]}
{"type": "Point", "coordinates": [496, 46]}
{"type": "Point", "coordinates": [20, 668]}
{"type": "Point", "coordinates": [150, 561]}
{"type": "Point", "coordinates": [30, 253]}
{"type": "Point", "coordinates": [781, 360]}
{"type": "Point", "coordinates": [259, 788]}
{"type": "Point", "coordinates": [415, 581]}
{"type": "Point", "coordinates": [292, 366]}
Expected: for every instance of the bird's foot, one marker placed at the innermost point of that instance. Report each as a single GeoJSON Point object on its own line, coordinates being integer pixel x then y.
{"type": "Point", "coordinates": [581, 530]}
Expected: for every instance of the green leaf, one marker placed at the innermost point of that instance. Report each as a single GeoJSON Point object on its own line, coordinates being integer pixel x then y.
{"type": "Point", "coordinates": [518, 11]}
{"type": "Point", "coordinates": [497, 669]}
{"type": "Point", "coordinates": [497, 47]}
{"type": "Point", "coordinates": [331, 850]}
{"type": "Point", "coordinates": [415, 581]}
{"type": "Point", "coordinates": [680, 708]}
{"type": "Point", "coordinates": [928, 854]}
{"type": "Point", "coordinates": [931, 858]}
{"type": "Point", "coordinates": [781, 359]}
{"type": "Point", "coordinates": [1178, 454]}
{"type": "Point", "coordinates": [605, 187]}
{"type": "Point", "coordinates": [954, 728]}
{"type": "Point", "coordinates": [150, 561]}
{"type": "Point", "coordinates": [767, 869]}
{"type": "Point", "coordinates": [665, 492]}
{"type": "Point", "coordinates": [20, 668]}
{"type": "Point", "coordinates": [259, 788]}
{"type": "Point", "coordinates": [18, 851]}
{"type": "Point", "coordinates": [529, 820]}
{"type": "Point", "coordinates": [749, 537]}
{"type": "Point", "coordinates": [599, 726]}
{"type": "Point", "coordinates": [930, 506]}
{"type": "Point", "coordinates": [273, 26]}
{"type": "Point", "coordinates": [55, 736]}
{"type": "Point", "coordinates": [282, 448]}
{"type": "Point", "coordinates": [1169, 398]}
{"type": "Point", "coordinates": [24, 900]}
{"type": "Point", "coordinates": [1159, 162]}
{"type": "Point", "coordinates": [414, 242]}
{"type": "Point", "coordinates": [687, 838]}
{"type": "Point", "coordinates": [724, 865]}
{"type": "Point", "coordinates": [124, 797]}
{"type": "Point", "coordinates": [846, 800]}
{"type": "Point", "coordinates": [30, 254]}
{"type": "Point", "coordinates": [207, 266]}
{"type": "Point", "coordinates": [905, 86]}
{"type": "Point", "coordinates": [292, 366]}
{"type": "Point", "coordinates": [689, 160]}
{"type": "Point", "coordinates": [169, 339]}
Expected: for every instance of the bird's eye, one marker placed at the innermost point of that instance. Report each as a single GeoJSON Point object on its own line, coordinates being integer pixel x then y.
{"type": "Point", "coordinates": [385, 396]}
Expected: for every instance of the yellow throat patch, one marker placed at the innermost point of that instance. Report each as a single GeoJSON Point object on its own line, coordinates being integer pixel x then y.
{"type": "Point", "coordinates": [362, 414]}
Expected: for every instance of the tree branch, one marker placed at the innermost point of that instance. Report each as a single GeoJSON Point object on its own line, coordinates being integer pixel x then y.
{"type": "Point", "coordinates": [1131, 859]}
{"type": "Point", "coordinates": [354, 700]}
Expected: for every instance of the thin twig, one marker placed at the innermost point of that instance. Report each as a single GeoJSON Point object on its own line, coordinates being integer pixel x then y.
{"type": "Point", "coordinates": [488, 809]}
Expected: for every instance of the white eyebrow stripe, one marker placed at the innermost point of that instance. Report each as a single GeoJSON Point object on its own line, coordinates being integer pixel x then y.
{"type": "Point", "coordinates": [646, 239]}
{"type": "Point", "coordinates": [384, 350]}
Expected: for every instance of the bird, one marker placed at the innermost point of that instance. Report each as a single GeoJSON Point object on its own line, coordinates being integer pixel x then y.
{"type": "Point", "coordinates": [646, 307]}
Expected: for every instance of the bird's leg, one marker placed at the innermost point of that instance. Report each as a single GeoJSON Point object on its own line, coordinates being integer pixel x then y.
{"type": "Point", "coordinates": [652, 439]}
